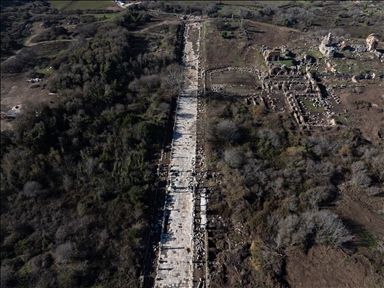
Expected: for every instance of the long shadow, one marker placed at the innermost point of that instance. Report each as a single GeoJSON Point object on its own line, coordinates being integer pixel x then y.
{"type": "Point", "coordinates": [323, 90]}
{"type": "Point", "coordinates": [364, 237]}
{"type": "Point", "coordinates": [256, 31]}
{"type": "Point", "coordinates": [185, 116]}
{"type": "Point", "coordinates": [177, 135]}
{"type": "Point", "coordinates": [166, 237]}
{"type": "Point", "coordinates": [338, 55]}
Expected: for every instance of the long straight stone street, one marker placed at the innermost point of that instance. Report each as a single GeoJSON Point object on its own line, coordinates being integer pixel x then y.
{"type": "Point", "coordinates": [176, 248]}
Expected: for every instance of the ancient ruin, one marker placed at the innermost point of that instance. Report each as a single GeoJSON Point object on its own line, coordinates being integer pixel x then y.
{"type": "Point", "coordinates": [326, 47]}
{"type": "Point", "coordinates": [272, 55]}
{"type": "Point", "coordinates": [179, 241]}
{"type": "Point", "coordinates": [301, 88]}
{"type": "Point", "coordinates": [372, 41]}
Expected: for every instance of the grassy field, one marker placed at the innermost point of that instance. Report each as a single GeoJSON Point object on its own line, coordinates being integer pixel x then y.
{"type": "Point", "coordinates": [239, 3]}
{"type": "Point", "coordinates": [59, 5]}
{"type": "Point", "coordinates": [52, 49]}
{"type": "Point", "coordinates": [287, 63]}
{"type": "Point", "coordinates": [82, 5]}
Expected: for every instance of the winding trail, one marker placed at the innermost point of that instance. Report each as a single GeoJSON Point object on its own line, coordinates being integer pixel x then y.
{"type": "Point", "coordinates": [29, 42]}
{"type": "Point", "coordinates": [176, 249]}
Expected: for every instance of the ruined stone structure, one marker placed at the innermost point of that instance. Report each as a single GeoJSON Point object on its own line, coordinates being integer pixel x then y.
{"type": "Point", "coordinates": [295, 89]}
{"type": "Point", "coordinates": [372, 41]}
{"type": "Point", "coordinates": [343, 45]}
{"type": "Point", "coordinates": [328, 39]}
{"type": "Point", "coordinates": [299, 90]}
{"type": "Point", "coordinates": [272, 55]}
{"type": "Point", "coordinates": [177, 254]}
{"type": "Point", "coordinates": [326, 47]}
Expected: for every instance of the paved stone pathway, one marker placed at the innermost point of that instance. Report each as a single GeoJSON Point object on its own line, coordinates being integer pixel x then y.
{"type": "Point", "coordinates": [175, 264]}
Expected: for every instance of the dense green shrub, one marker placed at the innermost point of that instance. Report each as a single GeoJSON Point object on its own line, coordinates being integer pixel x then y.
{"type": "Point", "coordinates": [83, 169]}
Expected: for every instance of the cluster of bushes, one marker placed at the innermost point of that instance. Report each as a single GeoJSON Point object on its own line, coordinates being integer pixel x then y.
{"type": "Point", "coordinates": [21, 62]}
{"type": "Point", "coordinates": [13, 33]}
{"type": "Point", "coordinates": [17, 18]}
{"type": "Point", "coordinates": [279, 183]}
{"type": "Point", "coordinates": [16, 23]}
{"type": "Point", "coordinates": [292, 16]}
{"type": "Point", "coordinates": [78, 185]}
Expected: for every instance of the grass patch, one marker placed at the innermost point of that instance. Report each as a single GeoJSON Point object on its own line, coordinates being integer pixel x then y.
{"type": "Point", "coordinates": [366, 239]}
{"type": "Point", "coordinates": [59, 5]}
{"type": "Point", "coordinates": [45, 71]}
{"type": "Point", "coordinates": [343, 68]}
{"type": "Point", "coordinates": [52, 49]}
{"type": "Point", "coordinates": [287, 63]}
{"type": "Point", "coordinates": [312, 108]}
{"type": "Point", "coordinates": [314, 53]}
{"type": "Point", "coordinates": [355, 69]}
{"type": "Point", "coordinates": [345, 119]}
{"type": "Point", "coordinates": [109, 16]}
{"type": "Point", "coordinates": [81, 5]}
{"type": "Point", "coordinates": [239, 63]}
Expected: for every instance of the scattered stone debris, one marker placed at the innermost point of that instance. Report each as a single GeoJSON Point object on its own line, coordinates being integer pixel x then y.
{"type": "Point", "coordinates": [34, 80]}
{"type": "Point", "coordinates": [190, 17]}
{"type": "Point", "coordinates": [11, 114]}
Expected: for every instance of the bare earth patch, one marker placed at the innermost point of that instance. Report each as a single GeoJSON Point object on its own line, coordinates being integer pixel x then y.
{"type": "Point", "coordinates": [16, 90]}
{"type": "Point", "coordinates": [322, 267]}
{"type": "Point", "coordinates": [366, 109]}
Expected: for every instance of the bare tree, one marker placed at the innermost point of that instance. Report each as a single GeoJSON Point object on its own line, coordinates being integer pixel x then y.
{"type": "Point", "coordinates": [172, 80]}
{"type": "Point", "coordinates": [228, 131]}
{"type": "Point", "coordinates": [359, 174]}
{"type": "Point", "coordinates": [375, 191]}
{"type": "Point", "coordinates": [32, 189]}
{"type": "Point", "coordinates": [286, 228]}
{"type": "Point", "coordinates": [320, 195]}
{"type": "Point", "coordinates": [210, 8]}
{"type": "Point", "coordinates": [6, 274]}
{"type": "Point", "coordinates": [63, 253]}
{"type": "Point", "coordinates": [249, 171]}
{"type": "Point", "coordinates": [360, 178]}
{"type": "Point", "coordinates": [358, 166]}
{"type": "Point", "coordinates": [329, 228]}
{"type": "Point", "coordinates": [244, 13]}
{"type": "Point", "coordinates": [270, 136]}
{"type": "Point", "coordinates": [321, 169]}
{"type": "Point", "coordinates": [321, 146]}
{"type": "Point", "coordinates": [234, 158]}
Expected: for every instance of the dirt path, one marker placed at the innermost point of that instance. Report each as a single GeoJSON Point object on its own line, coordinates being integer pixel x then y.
{"type": "Point", "coordinates": [28, 43]}
{"type": "Point", "coordinates": [176, 249]}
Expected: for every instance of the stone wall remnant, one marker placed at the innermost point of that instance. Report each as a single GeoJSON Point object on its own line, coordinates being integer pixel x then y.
{"type": "Point", "coordinates": [272, 55]}
{"type": "Point", "coordinates": [372, 41]}
{"type": "Point", "coordinates": [326, 47]}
